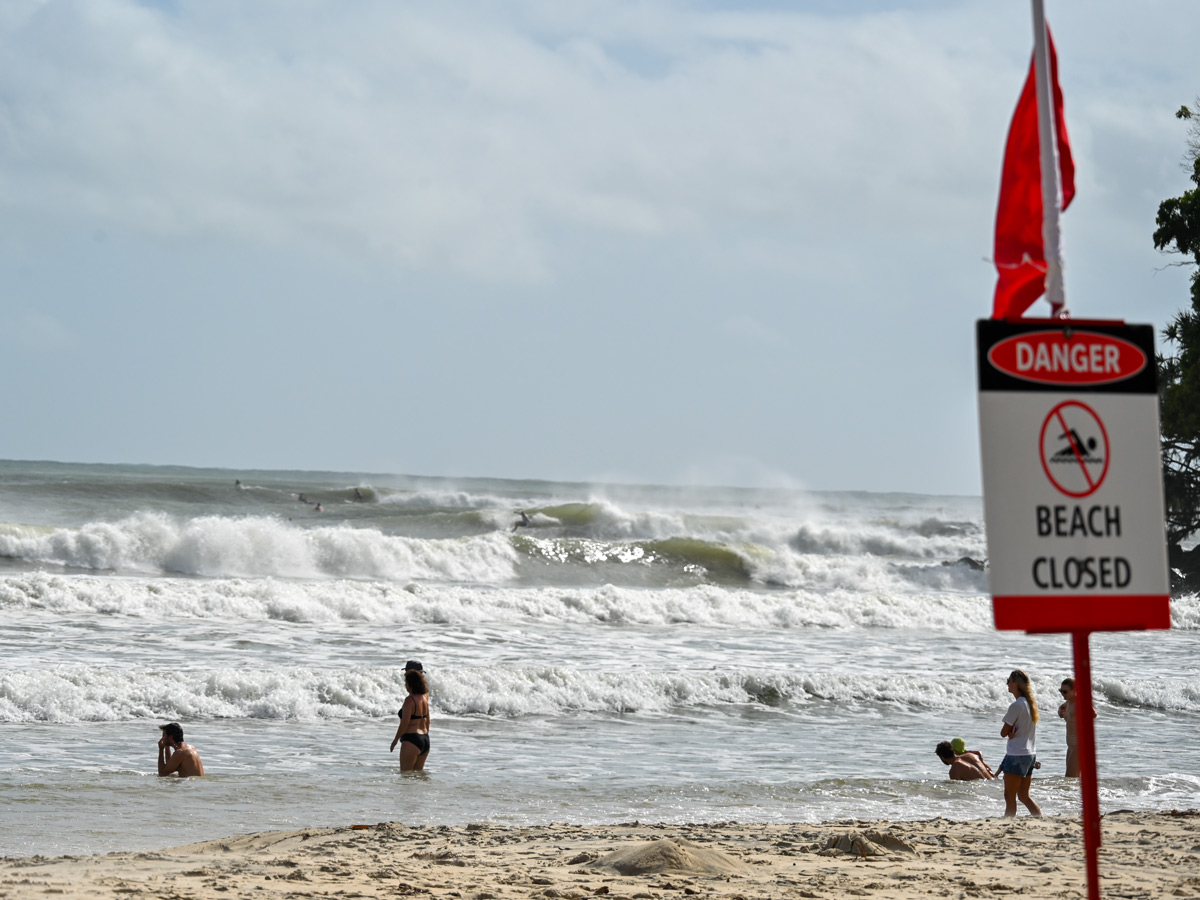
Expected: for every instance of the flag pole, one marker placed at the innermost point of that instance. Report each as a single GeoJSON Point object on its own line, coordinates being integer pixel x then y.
{"type": "Point", "coordinates": [1051, 182]}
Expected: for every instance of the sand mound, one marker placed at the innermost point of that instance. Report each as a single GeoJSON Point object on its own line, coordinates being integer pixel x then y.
{"type": "Point", "coordinates": [668, 855]}
{"type": "Point", "coordinates": [870, 843]}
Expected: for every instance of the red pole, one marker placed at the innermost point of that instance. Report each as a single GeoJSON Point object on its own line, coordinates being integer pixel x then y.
{"type": "Point", "coordinates": [1089, 786]}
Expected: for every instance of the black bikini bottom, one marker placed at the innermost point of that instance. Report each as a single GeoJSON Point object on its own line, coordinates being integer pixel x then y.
{"type": "Point", "coordinates": [420, 741]}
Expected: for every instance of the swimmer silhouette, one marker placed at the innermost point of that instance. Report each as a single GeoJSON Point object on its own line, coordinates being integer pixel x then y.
{"type": "Point", "coordinates": [1085, 448]}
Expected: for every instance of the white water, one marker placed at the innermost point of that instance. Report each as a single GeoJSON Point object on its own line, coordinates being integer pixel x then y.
{"type": "Point", "coordinates": [602, 684]}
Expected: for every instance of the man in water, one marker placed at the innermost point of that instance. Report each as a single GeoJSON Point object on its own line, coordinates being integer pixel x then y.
{"type": "Point", "coordinates": [965, 766]}
{"type": "Point", "coordinates": [174, 756]}
{"type": "Point", "coordinates": [1066, 710]}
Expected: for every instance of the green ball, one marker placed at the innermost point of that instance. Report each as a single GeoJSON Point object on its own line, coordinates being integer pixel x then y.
{"type": "Point", "coordinates": [959, 745]}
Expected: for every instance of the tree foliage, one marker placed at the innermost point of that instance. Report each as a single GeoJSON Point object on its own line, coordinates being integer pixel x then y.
{"type": "Point", "coordinates": [1178, 232]}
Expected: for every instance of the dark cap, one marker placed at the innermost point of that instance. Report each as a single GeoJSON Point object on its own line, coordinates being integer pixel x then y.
{"type": "Point", "coordinates": [413, 666]}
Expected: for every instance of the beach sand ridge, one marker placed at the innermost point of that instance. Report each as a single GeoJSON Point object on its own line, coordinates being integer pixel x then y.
{"type": "Point", "coordinates": [1144, 855]}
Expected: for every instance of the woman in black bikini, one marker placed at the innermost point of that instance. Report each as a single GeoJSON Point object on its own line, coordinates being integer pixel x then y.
{"type": "Point", "coordinates": [413, 733]}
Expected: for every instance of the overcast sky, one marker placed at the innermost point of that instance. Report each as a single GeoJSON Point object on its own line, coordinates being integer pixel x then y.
{"type": "Point", "coordinates": [669, 242]}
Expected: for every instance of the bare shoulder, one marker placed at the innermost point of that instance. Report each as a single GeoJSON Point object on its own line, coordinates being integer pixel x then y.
{"type": "Point", "coordinates": [191, 761]}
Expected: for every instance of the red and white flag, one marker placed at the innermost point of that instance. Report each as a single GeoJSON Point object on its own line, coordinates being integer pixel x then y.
{"type": "Point", "coordinates": [1019, 252]}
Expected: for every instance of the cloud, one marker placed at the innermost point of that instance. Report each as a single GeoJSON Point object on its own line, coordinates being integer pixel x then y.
{"type": "Point", "coordinates": [648, 197]}
{"type": "Point", "coordinates": [444, 136]}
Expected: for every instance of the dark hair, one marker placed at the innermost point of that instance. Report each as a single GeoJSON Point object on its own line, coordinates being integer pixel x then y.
{"type": "Point", "coordinates": [1068, 682]}
{"type": "Point", "coordinates": [945, 751]}
{"type": "Point", "coordinates": [415, 682]}
{"type": "Point", "coordinates": [174, 731]}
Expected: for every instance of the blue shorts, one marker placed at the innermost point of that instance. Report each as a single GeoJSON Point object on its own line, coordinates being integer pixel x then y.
{"type": "Point", "coordinates": [1017, 765]}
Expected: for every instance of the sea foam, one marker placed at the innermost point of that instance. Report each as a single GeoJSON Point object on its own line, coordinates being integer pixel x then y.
{"type": "Point", "coordinates": [327, 600]}
{"type": "Point", "coordinates": [254, 546]}
{"type": "Point", "coordinates": [78, 693]}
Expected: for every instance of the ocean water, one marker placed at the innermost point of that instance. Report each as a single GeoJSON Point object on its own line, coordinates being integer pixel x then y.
{"type": "Point", "coordinates": [633, 653]}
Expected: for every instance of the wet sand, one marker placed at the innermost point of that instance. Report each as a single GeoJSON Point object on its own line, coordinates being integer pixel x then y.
{"type": "Point", "coordinates": [1143, 855]}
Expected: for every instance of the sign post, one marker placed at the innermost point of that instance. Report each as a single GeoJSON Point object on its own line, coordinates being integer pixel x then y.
{"type": "Point", "coordinates": [1072, 495]}
{"type": "Point", "coordinates": [1089, 782]}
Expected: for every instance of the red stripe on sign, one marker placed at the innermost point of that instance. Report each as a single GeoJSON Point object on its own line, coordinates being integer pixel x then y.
{"type": "Point", "coordinates": [1039, 612]}
{"type": "Point", "coordinates": [1053, 357]}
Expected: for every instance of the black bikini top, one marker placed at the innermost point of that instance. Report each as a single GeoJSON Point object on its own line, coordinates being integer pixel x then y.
{"type": "Point", "coordinates": [400, 713]}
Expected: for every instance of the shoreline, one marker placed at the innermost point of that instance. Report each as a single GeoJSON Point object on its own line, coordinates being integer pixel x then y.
{"type": "Point", "coordinates": [1143, 854]}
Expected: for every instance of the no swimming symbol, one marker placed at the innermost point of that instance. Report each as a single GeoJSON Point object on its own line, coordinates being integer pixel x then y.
{"type": "Point", "coordinates": [1074, 446]}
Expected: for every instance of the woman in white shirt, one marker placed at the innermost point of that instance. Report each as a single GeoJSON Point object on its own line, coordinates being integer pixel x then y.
{"type": "Point", "coordinates": [1020, 756]}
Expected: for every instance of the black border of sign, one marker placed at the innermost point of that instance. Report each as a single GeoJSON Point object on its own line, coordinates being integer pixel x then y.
{"type": "Point", "coordinates": [989, 332]}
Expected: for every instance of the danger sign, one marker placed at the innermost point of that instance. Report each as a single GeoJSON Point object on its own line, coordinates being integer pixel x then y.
{"type": "Point", "coordinates": [1072, 480]}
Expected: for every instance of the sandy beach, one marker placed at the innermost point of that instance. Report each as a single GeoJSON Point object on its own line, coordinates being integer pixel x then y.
{"type": "Point", "coordinates": [1144, 855]}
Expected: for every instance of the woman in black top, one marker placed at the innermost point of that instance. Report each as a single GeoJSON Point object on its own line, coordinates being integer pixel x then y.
{"type": "Point", "coordinates": [413, 733]}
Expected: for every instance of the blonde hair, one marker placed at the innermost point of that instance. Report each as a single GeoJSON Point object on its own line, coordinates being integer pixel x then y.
{"type": "Point", "coordinates": [1025, 689]}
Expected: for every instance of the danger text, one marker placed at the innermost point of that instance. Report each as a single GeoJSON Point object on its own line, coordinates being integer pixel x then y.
{"type": "Point", "coordinates": [1062, 357]}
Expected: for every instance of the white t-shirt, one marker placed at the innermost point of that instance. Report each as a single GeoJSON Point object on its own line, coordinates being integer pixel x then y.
{"type": "Point", "coordinates": [1022, 741]}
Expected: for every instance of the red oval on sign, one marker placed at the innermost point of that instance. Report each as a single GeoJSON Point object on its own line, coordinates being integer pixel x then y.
{"type": "Point", "coordinates": [1050, 357]}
